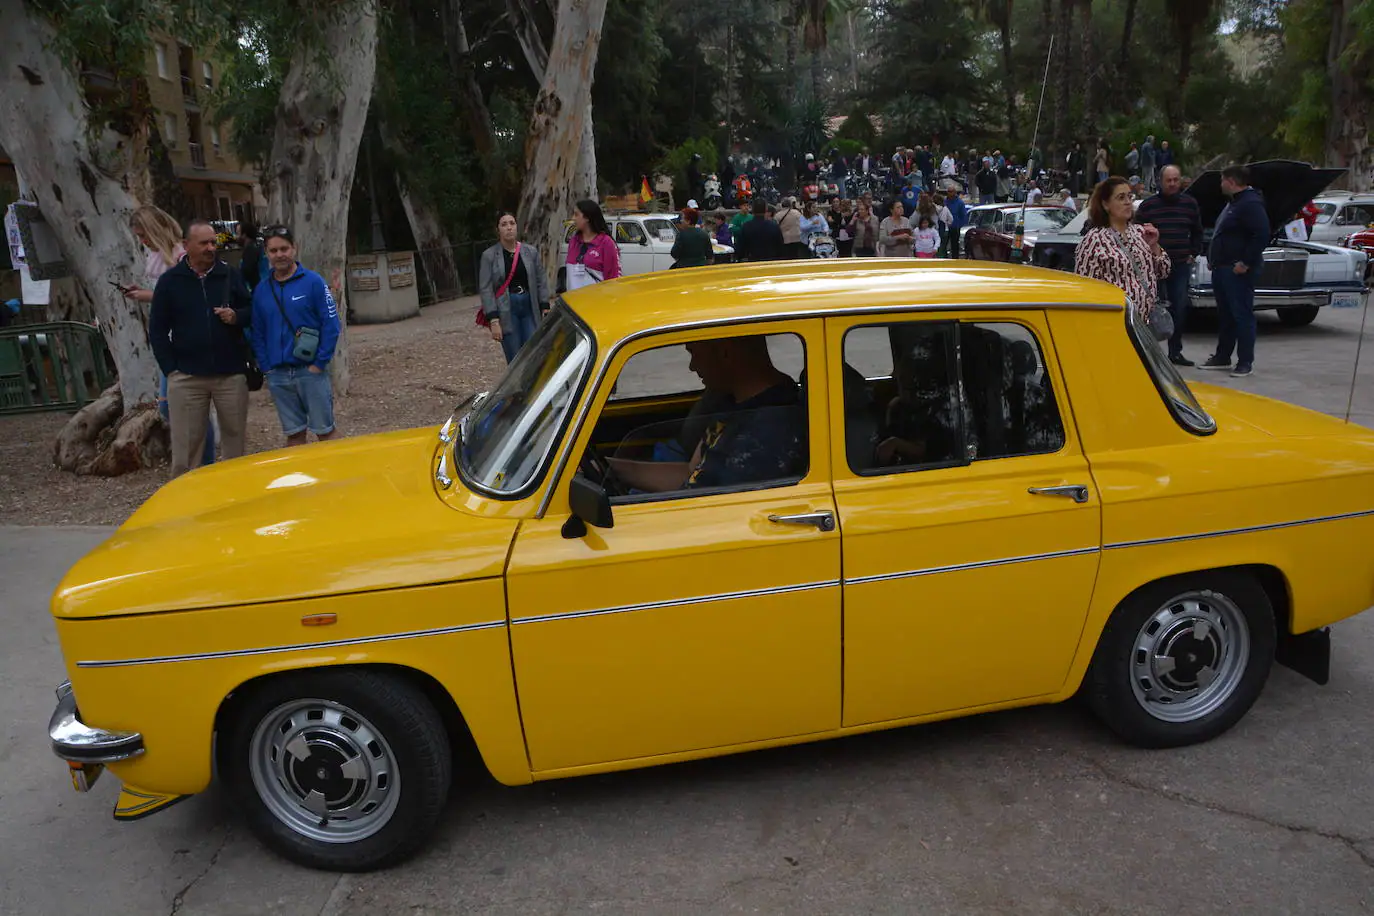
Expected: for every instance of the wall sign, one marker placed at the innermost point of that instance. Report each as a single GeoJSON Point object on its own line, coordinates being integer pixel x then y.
{"type": "Point", "coordinates": [363, 273]}
{"type": "Point", "coordinates": [401, 270]}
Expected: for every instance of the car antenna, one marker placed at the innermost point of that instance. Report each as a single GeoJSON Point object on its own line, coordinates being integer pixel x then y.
{"type": "Point", "coordinates": [1359, 347]}
{"type": "Point", "coordinates": [1018, 254]}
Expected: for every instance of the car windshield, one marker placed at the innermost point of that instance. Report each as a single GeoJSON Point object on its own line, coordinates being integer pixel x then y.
{"type": "Point", "coordinates": [1077, 224]}
{"type": "Point", "coordinates": [1182, 403]}
{"type": "Point", "coordinates": [506, 439]}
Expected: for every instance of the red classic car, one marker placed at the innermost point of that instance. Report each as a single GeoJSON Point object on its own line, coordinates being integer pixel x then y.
{"type": "Point", "coordinates": [993, 240]}
{"type": "Point", "coordinates": [1362, 241]}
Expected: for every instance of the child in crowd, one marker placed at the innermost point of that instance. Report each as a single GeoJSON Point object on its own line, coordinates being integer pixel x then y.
{"type": "Point", "coordinates": [926, 240]}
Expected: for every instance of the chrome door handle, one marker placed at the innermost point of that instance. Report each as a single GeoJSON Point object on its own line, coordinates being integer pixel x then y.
{"type": "Point", "coordinates": [1077, 492]}
{"type": "Point", "coordinates": [825, 521]}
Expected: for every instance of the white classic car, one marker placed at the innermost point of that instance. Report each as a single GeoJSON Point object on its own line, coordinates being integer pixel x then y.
{"type": "Point", "coordinates": [1298, 278]}
{"type": "Point", "coordinates": [1340, 215]}
{"type": "Point", "coordinates": [645, 241]}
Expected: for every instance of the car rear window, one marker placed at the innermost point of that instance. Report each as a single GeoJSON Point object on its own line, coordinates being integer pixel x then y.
{"type": "Point", "coordinates": [1178, 397]}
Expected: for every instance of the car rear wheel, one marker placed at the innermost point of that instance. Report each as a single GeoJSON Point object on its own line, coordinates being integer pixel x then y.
{"type": "Point", "coordinates": [1299, 315]}
{"type": "Point", "coordinates": [344, 770]}
{"type": "Point", "coordinates": [1182, 660]}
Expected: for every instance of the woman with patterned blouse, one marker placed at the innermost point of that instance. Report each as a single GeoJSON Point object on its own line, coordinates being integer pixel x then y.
{"type": "Point", "coordinates": [1122, 253]}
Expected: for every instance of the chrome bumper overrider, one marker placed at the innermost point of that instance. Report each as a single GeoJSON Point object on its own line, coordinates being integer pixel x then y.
{"type": "Point", "coordinates": [76, 742]}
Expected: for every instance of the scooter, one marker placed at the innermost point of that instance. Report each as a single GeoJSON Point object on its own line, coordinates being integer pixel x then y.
{"type": "Point", "coordinates": [712, 195]}
{"type": "Point", "coordinates": [744, 189]}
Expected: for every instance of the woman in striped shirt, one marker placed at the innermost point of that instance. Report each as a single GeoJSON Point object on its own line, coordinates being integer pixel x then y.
{"type": "Point", "coordinates": [1123, 254]}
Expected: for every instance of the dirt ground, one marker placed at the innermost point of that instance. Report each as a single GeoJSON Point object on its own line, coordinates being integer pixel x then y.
{"type": "Point", "coordinates": [406, 374]}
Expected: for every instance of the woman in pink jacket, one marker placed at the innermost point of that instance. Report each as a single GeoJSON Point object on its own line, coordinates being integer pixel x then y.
{"type": "Point", "coordinates": [592, 253]}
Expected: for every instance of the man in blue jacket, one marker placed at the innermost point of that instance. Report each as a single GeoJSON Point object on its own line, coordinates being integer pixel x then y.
{"type": "Point", "coordinates": [295, 329]}
{"type": "Point", "coordinates": [959, 212]}
{"type": "Point", "coordinates": [1236, 256]}
{"type": "Point", "coordinates": [195, 326]}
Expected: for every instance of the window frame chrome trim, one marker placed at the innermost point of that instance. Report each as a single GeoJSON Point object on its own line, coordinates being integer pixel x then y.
{"type": "Point", "coordinates": [589, 393]}
{"type": "Point", "coordinates": [978, 564]}
{"type": "Point", "coordinates": [301, 647]}
{"type": "Point", "coordinates": [679, 602]}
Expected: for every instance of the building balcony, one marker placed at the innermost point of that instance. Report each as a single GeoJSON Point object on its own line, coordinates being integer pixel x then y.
{"type": "Point", "coordinates": [197, 155]}
{"type": "Point", "coordinates": [188, 92]}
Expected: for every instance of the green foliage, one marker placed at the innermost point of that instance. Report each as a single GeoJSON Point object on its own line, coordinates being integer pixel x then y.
{"type": "Point", "coordinates": [674, 163]}
{"type": "Point", "coordinates": [807, 127]}
{"type": "Point", "coordinates": [858, 127]}
{"type": "Point", "coordinates": [847, 147]}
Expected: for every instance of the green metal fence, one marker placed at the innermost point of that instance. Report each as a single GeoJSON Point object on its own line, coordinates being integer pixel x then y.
{"type": "Point", "coordinates": [57, 365]}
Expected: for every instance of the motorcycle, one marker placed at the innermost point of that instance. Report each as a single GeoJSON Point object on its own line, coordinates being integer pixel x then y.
{"type": "Point", "coordinates": [744, 189]}
{"type": "Point", "coordinates": [712, 195]}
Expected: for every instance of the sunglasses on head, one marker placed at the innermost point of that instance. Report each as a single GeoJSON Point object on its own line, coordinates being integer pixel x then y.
{"type": "Point", "coordinates": [277, 232]}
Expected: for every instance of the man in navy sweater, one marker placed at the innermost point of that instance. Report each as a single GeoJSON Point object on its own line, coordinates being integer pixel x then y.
{"type": "Point", "coordinates": [1179, 222]}
{"type": "Point", "coordinates": [1236, 256]}
{"type": "Point", "coordinates": [295, 329]}
{"type": "Point", "coordinates": [200, 308]}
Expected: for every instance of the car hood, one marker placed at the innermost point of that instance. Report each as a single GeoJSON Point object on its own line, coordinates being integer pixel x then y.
{"type": "Point", "coordinates": [1284, 184]}
{"type": "Point", "coordinates": [1232, 408]}
{"type": "Point", "coordinates": [339, 517]}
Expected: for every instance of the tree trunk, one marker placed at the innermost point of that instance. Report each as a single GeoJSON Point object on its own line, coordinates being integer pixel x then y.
{"type": "Point", "coordinates": [432, 244]}
{"type": "Point", "coordinates": [536, 53]}
{"type": "Point", "coordinates": [1088, 64]}
{"type": "Point", "coordinates": [558, 125]}
{"type": "Point", "coordinates": [789, 30]}
{"type": "Point", "coordinates": [320, 117]}
{"type": "Point", "coordinates": [104, 440]}
{"type": "Point", "coordinates": [1008, 76]}
{"type": "Point", "coordinates": [474, 104]}
{"type": "Point", "coordinates": [1348, 124]}
{"type": "Point", "coordinates": [1063, 131]}
{"type": "Point", "coordinates": [854, 46]}
{"type": "Point", "coordinates": [78, 179]}
{"type": "Point", "coordinates": [1123, 57]}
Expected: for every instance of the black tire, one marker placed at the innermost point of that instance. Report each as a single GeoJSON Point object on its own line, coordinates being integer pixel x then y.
{"type": "Point", "coordinates": [1299, 315]}
{"type": "Point", "coordinates": [1132, 695]}
{"type": "Point", "coordinates": [411, 731]}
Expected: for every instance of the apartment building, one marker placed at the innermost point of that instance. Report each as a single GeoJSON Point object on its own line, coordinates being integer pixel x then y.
{"type": "Point", "coordinates": [217, 184]}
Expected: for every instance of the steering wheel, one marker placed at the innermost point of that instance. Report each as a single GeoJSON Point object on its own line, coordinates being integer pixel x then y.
{"type": "Point", "coordinates": [595, 466]}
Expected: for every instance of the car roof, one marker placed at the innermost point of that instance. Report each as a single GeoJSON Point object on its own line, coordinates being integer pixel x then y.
{"type": "Point", "coordinates": [761, 291]}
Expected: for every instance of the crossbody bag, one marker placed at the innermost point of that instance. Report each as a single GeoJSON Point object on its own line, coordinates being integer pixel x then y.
{"type": "Point", "coordinates": [482, 318]}
{"type": "Point", "coordinates": [252, 372]}
{"type": "Point", "coordinates": [1160, 319]}
{"type": "Point", "coordinates": [306, 340]}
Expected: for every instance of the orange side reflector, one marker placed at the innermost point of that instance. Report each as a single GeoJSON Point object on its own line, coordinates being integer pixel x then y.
{"type": "Point", "coordinates": [319, 620]}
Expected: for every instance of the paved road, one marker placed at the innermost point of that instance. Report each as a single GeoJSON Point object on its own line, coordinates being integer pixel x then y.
{"type": "Point", "coordinates": [1033, 811]}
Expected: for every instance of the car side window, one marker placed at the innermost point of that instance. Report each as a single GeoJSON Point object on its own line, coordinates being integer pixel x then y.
{"type": "Point", "coordinates": [957, 392]}
{"type": "Point", "coordinates": [661, 229]}
{"type": "Point", "coordinates": [629, 233]}
{"type": "Point", "coordinates": [1009, 402]}
{"type": "Point", "coordinates": [673, 426]}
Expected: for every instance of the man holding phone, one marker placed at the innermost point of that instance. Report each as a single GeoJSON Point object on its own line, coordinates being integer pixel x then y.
{"type": "Point", "coordinates": [200, 308]}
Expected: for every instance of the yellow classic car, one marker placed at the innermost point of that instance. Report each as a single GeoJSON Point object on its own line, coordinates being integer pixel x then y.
{"type": "Point", "coordinates": [709, 511]}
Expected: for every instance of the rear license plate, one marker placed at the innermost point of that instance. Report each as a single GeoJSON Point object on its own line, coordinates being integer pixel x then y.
{"type": "Point", "coordinates": [1345, 300]}
{"type": "Point", "coordinates": [84, 775]}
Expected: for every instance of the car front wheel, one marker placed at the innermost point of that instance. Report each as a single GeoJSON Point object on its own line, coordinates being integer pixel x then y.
{"type": "Point", "coordinates": [1182, 660]}
{"type": "Point", "coordinates": [344, 770]}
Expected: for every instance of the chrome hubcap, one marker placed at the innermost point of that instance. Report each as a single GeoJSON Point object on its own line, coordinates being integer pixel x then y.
{"type": "Point", "coordinates": [324, 770]}
{"type": "Point", "coordinates": [1190, 656]}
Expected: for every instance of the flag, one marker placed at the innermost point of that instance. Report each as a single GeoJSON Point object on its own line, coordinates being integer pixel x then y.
{"type": "Point", "coordinates": [645, 194]}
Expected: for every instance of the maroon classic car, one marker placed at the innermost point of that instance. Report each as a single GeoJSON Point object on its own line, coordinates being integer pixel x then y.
{"type": "Point", "coordinates": [992, 241]}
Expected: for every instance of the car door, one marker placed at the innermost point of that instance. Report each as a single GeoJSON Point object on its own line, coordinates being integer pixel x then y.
{"type": "Point", "coordinates": [636, 257]}
{"type": "Point", "coordinates": [702, 618]}
{"type": "Point", "coordinates": [971, 523]}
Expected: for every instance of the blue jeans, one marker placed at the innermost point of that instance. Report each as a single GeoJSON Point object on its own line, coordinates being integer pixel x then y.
{"type": "Point", "coordinates": [522, 324]}
{"type": "Point", "coordinates": [304, 399]}
{"type": "Point", "coordinates": [207, 456]}
{"type": "Point", "coordinates": [1235, 315]}
{"type": "Point", "coordinates": [1174, 288]}
{"type": "Point", "coordinates": [986, 199]}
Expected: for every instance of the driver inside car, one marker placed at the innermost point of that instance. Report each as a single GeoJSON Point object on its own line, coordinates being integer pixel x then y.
{"type": "Point", "coordinates": [758, 432]}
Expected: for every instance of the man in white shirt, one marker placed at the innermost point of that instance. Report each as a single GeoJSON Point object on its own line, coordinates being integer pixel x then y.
{"type": "Point", "coordinates": [1033, 194]}
{"type": "Point", "coordinates": [1066, 200]}
{"type": "Point", "coordinates": [947, 166]}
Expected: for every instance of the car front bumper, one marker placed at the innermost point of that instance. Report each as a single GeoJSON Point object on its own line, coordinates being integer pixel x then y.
{"type": "Point", "coordinates": [78, 743]}
{"type": "Point", "coordinates": [1205, 297]}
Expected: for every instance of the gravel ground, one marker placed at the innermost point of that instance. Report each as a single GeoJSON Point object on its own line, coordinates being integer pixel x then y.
{"type": "Point", "coordinates": [406, 374]}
